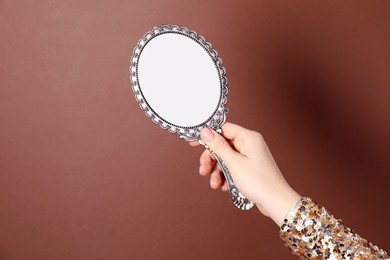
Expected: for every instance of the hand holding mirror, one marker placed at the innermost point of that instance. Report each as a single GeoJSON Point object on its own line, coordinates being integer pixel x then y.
{"type": "Point", "coordinates": [180, 82]}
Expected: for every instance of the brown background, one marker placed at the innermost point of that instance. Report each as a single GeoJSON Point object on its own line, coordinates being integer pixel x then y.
{"type": "Point", "coordinates": [84, 174]}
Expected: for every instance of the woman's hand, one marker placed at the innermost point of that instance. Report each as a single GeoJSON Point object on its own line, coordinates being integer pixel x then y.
{"type": "Point", "coordinates": [252, 167]}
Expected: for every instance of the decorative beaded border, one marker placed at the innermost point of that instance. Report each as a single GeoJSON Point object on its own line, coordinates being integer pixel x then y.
{"type": "Point", "coordinates": [188, 133]}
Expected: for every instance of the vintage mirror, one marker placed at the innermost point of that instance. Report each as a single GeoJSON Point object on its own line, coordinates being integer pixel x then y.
{"type": "Point", "coordinates": [180, 82]}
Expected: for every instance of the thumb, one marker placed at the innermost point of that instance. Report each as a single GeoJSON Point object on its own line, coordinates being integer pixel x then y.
{"type": "Point", "coordinates": [219, 145]}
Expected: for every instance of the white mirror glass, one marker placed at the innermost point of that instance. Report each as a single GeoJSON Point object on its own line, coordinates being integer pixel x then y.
{"type": "Point", "coordinates": [179, 80]}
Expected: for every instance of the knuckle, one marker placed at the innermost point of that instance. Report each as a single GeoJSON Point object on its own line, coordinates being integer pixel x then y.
{"type": "Point", "coordinates": [257, 137]}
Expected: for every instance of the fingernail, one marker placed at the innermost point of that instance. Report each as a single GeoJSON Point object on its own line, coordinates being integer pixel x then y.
{"type": "Point", "coordinates": [200, 169]}
{"type": "Point", "coordinates": [206, 134]}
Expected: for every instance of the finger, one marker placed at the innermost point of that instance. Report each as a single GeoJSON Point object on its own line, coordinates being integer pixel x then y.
{"type": "Point", "coordinates": [206, 161]}
{"type": "Point", "coordinates": [231, 131]}
{"type": "Point", "coordinates": [194, 144]}
{"type": "Point", "coordinates": [216, 178]}
{"type": "Point", "coordinates": [219, 145]}
{"type": "Point", "coordinates": [241, 139]}
{"type": "Point", "coordinates": [224, 186]}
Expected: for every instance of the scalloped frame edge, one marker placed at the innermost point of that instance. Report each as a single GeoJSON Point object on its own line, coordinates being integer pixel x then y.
{"type": "Point", "coordinates": [216, 120]}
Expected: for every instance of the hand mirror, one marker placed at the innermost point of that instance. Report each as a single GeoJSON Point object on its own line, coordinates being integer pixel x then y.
{"type": "Point", "coordinates": [180, 82]}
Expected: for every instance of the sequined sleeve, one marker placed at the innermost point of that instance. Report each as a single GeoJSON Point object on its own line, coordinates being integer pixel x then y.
{"type": "Point", "coordinates": [311, 232]}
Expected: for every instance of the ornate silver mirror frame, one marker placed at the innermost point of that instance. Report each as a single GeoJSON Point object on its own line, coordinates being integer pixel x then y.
{"type": "Point", "coordinates": [189, 133]}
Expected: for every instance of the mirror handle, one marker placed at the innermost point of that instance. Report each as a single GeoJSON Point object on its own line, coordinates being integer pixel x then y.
{"type": "Point", "coordinates": [237, 199]}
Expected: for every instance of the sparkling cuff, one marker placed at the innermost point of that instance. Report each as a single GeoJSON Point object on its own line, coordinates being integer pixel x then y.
{"type": "Point", "coordinates": [311, 232]}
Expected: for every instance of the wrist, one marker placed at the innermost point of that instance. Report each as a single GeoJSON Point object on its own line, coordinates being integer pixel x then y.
{"type": "Point", "coordinates": [280, 204]}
